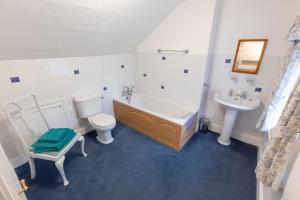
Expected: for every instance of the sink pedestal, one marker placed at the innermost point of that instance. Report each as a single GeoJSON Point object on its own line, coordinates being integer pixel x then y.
{"type": "Point", "coordinates": [233, 105]}
{"type": "Point", "coordinates": [229, 121]}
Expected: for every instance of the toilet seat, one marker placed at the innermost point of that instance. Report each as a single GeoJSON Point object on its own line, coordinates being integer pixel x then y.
{"type": "Point", "coordinates": [102, 120]}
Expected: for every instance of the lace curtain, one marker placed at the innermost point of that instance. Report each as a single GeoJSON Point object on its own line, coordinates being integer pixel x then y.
{"type": "Point", "coordinates": [282, 117]}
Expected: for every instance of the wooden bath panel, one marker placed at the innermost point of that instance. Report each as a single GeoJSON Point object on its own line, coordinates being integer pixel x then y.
{"type": "Point", "coordinates": [142, 123]}
{"type": "Point", "coordinates": [159, 129]}
{"type": "Point", "coordinates": [169, 134]}
{"type": "Point", "coordinates": [121, 112]}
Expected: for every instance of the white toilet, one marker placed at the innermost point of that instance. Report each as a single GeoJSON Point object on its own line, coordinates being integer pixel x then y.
{"type": "Point", "coordinates": [89, 105]}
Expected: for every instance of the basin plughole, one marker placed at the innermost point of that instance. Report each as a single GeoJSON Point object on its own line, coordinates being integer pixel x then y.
{"type": "Point", "coordinates": [233, 105]}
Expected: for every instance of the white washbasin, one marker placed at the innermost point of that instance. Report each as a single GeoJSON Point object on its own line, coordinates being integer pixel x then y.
{"type": "Point", "coordinates": [233, 104]}
{"type": "Point", "coordinates": [240, 104]}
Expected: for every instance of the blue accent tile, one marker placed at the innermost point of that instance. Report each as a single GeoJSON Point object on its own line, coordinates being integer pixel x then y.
{"type": "Point", "coordinates": [122, 66]}
{"type": "Point", "coordinates": [105, 88]}
{"type": "Point", "coordinates": [227, 60]}
{"type": "Point", "coordinates": [76, 71]}
{"type": "Point", "coordinates": [162, 87]}
{"type": "Point", "coordinates": [163, 58]}
{"type": "Point", "coordinates": [186, 71]}
{"type": "Point", "coordinates": [15, 79]}
{"type": "Point", "coordinates": [258, 89]}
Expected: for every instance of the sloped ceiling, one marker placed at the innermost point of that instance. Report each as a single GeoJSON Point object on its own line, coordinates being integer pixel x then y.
{"type": "Point", "coordinates": [64, 28]}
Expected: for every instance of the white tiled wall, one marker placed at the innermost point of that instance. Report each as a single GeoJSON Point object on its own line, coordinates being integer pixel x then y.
{"type": "Point", "coordinates": [189, 26]}
{"type": "Point", "coordinates": [178, 86]}
{"type": "Point", "coordinates": [54, 78]}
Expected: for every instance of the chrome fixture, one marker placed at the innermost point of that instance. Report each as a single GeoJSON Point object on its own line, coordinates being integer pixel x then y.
{"type": "Point", "coordinates": [186, 51]}
{"type": "Point", "coordinates": [238, 93]}
{"type": "Point", "coordinates": [127, 92]}
{"type": "Point", "coordinates": [231, 92]}
{"type": "Point", "coordinates": [244, 95]}
{"type": "Point", "coordinates": [251, 81]}
{"type": "Point", "coordinates": [234, 78]}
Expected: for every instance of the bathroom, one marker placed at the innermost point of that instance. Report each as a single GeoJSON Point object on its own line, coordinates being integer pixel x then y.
{"type": "Point", "coordinates": [179, 52]}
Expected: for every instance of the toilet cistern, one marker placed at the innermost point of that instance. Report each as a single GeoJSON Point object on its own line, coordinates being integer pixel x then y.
{"type": "Point", "coordinates": [234, 102]}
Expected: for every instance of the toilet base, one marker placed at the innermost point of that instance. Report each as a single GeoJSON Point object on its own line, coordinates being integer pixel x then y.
{"type": "Point", "coordinates": [104, 137]}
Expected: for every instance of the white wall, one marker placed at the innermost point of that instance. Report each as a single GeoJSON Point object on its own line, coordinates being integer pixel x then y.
{"type": "Point", "coordinates": [270, 19]}
{"type": "Point", "coordinates": [54, 78]}
{"type": "Point", "coordinates": [187, 27]}
{"type": "Point", "coordinates": [66, 28]}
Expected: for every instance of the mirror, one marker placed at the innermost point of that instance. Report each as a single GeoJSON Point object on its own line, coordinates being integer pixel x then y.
{"type": "Point", "coordinates": [248, 56]}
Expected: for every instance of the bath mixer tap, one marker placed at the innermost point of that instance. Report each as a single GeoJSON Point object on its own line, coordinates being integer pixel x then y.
{"type": "Point", "coordinates": [127, 92]}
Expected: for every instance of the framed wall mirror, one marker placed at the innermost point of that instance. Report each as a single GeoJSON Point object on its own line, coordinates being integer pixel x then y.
{"type": "Point", "coordinates": [248, 56]}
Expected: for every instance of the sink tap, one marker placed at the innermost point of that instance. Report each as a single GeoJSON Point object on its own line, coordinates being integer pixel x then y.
{"type": "Point", "coordinates": [231, 92]}
{"type": "Point", "coordinates": [244, 95]}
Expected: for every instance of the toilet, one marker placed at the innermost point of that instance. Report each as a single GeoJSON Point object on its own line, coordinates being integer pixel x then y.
{"type": "Point", "coordinates": [89, 106]}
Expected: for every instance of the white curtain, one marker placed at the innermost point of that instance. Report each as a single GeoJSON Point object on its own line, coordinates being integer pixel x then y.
{"type": "Point", "coordinates": [282, 117]}
{"type": "Point", "coordinates": [286, 82]}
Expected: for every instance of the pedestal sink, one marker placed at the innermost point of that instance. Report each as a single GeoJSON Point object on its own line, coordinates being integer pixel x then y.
{"type": "Point", "coordinates": [233, 104]}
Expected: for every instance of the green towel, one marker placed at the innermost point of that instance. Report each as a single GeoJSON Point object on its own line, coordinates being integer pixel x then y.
{"type": "Point", "coordinates": [53, 135]}
{"type": "Point", "coordinates": [41, 147]}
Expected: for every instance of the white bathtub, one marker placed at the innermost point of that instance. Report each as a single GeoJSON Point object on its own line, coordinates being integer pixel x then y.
{"type": "Point", "coordinates": [161, 108]}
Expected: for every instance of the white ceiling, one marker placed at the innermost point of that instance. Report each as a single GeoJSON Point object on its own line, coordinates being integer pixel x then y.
{"type": "Point", "coordinates": [64, 28]}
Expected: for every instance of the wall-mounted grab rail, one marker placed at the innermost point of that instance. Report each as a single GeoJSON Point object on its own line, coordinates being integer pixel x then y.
{"type": "Point", "coordinates": [186, 51]}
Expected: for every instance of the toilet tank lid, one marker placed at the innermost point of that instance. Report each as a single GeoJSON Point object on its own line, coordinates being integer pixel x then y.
{"type": "Point", "coordinates": [85, 95]}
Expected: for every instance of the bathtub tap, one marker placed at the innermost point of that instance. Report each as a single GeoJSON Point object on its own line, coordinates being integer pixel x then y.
{"type": "Point", "coordinates": [127, 92]}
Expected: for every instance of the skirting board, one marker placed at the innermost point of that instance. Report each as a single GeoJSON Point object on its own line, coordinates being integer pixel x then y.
{"type": "Point", "coordinates": [21, 160]}
{"type": "Point", "coordinates": [18, 161]}
{"type": "Point", "coordinates": [244, 137]}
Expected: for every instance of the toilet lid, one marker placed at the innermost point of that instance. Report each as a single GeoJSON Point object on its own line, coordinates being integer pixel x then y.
{"type": "Point", "coordinates": [102, 120]}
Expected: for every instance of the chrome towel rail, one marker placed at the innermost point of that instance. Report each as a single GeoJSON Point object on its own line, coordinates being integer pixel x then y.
{"type": "Point", "coordinates": [186, 51]}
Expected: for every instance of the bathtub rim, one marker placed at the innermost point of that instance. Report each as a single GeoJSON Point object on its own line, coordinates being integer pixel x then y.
{"type": "Point", "coordinates": [179, 121]}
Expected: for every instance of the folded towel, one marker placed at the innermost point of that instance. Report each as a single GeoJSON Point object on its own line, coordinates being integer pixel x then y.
{"type": "Point", "coordinates": [41, 146]}
{"type": "Point", "coordinates": [53, 135]}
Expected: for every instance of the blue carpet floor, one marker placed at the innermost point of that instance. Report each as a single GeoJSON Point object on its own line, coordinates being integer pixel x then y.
{"type": "Point", "coordinates": [135, 167]}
